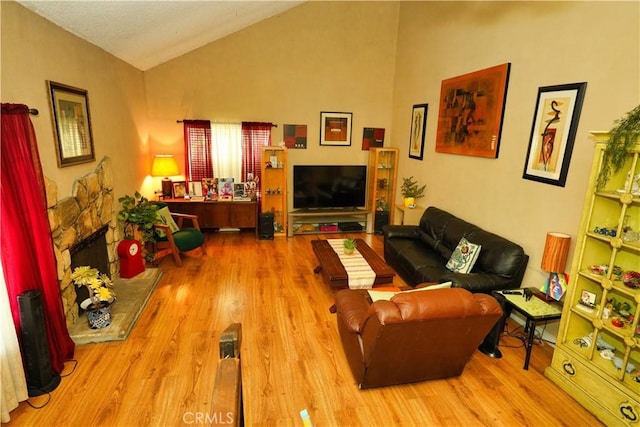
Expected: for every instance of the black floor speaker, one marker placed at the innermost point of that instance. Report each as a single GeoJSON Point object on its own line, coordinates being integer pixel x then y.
{"type": "Point", "coordinates": [381, 219]}
{"type": "Point", "coordinates": [35, 346]}
{"type": "Point", "coordinates": [265, 226]}
{"type": "Point", "coordinates": [490, 344]}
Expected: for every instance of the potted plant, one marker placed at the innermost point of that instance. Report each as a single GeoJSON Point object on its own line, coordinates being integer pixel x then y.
{"type": "Point", "coordinates": [101, 295]}
{"type": "Point", "coordinates": [349, 246]}
{"type": "Point", "coordinates": [411, 191]}
{"type": "Point", "coordinates": [622, 136]}
{"type": "Point", "coordinates": [139, 216]}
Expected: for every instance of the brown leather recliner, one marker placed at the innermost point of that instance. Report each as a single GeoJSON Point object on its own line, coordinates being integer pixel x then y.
{"type": "Point", "coordinates": [415, 336]}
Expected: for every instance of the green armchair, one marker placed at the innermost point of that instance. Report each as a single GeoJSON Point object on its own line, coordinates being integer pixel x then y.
{"type": "Point", "coordinates": [173, 238]}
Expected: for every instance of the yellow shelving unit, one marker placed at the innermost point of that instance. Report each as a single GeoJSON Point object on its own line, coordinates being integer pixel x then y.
{"type": "Point", "coordinates": [607, 383]}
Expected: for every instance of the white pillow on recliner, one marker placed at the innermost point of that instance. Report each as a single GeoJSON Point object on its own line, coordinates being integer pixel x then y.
{"type": "Point", "coordinates": [463, 257]}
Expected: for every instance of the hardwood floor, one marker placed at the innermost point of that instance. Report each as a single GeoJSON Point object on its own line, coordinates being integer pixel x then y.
{"type": "Point", "coordinates": [291, 357]}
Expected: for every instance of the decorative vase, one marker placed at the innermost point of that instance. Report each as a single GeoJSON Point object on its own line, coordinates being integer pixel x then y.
{"type": "Point", "coordinates": [99, 317]}
{"type": "Point", "coordinates": [408, 201]}
{"type": "Point", "coordinates": [348, 251]}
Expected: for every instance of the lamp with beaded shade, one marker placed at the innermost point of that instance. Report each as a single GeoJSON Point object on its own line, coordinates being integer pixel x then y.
{"type": "Point", "coordinates": [165, 165]}
{"type": "Point", "coordinates": [554, 260]}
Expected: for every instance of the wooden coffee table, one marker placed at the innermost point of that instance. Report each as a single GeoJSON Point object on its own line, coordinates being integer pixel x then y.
{"type": "Point", "coordinates": [334, 271]}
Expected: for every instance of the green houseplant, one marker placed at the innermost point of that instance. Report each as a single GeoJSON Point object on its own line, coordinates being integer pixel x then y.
{"type": "Point", "coordinates": [349, 246]}
{"type": "Point", "coordinates": [101, 295]}
{"type": "Point", "coordinates": [139, 215]}
{"type": "Point", "coordinates": [411, 191]}
{"type": "Point", "coordinates": [622, 136]}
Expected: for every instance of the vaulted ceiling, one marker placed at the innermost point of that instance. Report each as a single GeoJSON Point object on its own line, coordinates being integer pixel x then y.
{"type": "Point", "coordinates": [146, 33]}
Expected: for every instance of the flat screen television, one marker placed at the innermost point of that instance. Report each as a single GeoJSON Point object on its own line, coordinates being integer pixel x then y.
{"type": "Point", "coordinates": [329, 186]}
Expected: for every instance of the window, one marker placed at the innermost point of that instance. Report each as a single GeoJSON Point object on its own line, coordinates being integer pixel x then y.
{"type": "Point", "coordinates": [224, 149]}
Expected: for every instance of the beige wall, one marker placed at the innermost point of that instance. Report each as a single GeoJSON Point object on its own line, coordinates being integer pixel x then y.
{"type": "Point", "coordinates": [547, 43]}
{"type": "Point", "coordinates": [285, 70]}
{"type": "Point", "coordinates": [374, 59]}
{"type": "Point", "coordinates": [33, 51]}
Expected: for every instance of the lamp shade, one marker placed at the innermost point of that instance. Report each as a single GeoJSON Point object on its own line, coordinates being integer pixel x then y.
{"type": "Point", "coordinates": [556, 249]}
{"type": "Point", "coordinates": [164, 165]}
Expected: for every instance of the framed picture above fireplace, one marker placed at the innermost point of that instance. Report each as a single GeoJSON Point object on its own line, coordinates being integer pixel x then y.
{"type": "Point", "coordinates": [71, 124]}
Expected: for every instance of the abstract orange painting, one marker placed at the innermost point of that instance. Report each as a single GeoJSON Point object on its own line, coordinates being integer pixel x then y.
{"type": "Point", "coordinates": [470, 112]}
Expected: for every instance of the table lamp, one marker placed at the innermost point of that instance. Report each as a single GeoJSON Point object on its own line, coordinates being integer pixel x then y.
{"type": "Point", "coordinates": [165, 165]}
{"type": "Point", "coordinates": [554, 259]}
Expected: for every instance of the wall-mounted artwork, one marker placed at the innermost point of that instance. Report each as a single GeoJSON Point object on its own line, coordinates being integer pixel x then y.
{"type": "Point", "coordinates": [470, 112]}
{"type": "Point", "coordinates": [295, 136]}
{"type": "Point", "coordinates": [71, 124]}
{"type": "Point", "coordinates": [418, 130]}
{"type": "Point", "coordinates": [372, 137]}
{"type": "Point", "coordinates": [553, 132]}
{"type": "Point", "coordinates": [335, 128]}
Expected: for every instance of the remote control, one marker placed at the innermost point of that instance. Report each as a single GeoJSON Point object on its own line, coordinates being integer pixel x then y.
{"type": "Point", "coordinates": [511, 292]}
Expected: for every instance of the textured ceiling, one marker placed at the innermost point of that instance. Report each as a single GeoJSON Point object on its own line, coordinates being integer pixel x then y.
{"type": "Point", "coordinates": [146, 33]}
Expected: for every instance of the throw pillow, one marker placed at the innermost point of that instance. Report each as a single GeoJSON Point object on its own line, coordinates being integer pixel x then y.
{"type": "Point", "coordinates": [463, 257]}
{"type": "Point", "coordinates": [164, 217]}
{"type": "Point", "coordinates": [444, 285]}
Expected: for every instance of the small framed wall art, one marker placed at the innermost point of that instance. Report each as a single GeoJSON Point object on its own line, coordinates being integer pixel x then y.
{"type": "Point", "coordinates": [372, 137]}
{"type": "Point", "coordinates": [335, 128]}
{"type": "Point", "coordinates": [71, 124]}
{"type": "Point", "coordinates": [295, 136]}
{"type": "Point", "coordinates": [553, 132]}
{"type": "Point", "coordinates": [418, 130]}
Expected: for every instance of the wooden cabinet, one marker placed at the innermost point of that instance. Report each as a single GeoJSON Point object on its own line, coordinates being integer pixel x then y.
{"type": "Point", "coordinates": [607, 384]}
{"type": "Point", "coordinates": [218, 214]}
{"type": "Point", "coordinates": [273, 186]}
{"type": "Point", "coordinates": [382, 171]}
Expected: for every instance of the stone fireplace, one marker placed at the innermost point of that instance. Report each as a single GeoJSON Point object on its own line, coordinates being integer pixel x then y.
{"type": "Point", "coordinates": [76, 219]}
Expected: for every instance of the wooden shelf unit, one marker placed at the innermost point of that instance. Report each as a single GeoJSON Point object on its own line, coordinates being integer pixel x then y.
{"type": "Point", "coordinates": [382, 175]}
{"type": "Point", "coordinates": [273, 187]}
{"type": "Point", "coordinates": [611, 394]}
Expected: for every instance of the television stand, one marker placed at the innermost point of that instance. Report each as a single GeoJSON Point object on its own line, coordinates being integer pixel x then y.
{"type": "Point", "coordinates": [321, 221]}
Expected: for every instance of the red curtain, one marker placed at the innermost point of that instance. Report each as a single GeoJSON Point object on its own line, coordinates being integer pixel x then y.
{"type": "Point", "coordinates": [255, 135]}
{"type": "Point", "coordinates": [197, 148]}
{"type": "Point", "coordinates": [27, 248]}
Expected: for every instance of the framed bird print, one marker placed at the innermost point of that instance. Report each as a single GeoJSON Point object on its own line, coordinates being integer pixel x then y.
{"type": "Point", "coordinates": [553, 132]}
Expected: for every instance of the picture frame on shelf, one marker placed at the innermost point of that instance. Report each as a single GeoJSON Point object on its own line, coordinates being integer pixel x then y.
{"type": "Point", "coordinates": [553, 132]}
{"type": "Point", "coordinates": [470, 112]}
{"type": "Point", "coordinates": [418, 130]}
{"type": "Point", "coordinates": [335, 128]}
{"type": "Point", "coordinates": [225, 189]}
{"type": "Point", "coordinates": [195, 188]}
{"type": "Point", "coordinates": [210, 188]}
{"type": "Point", "coordinates": [71, 124]}
{"type": "Point", "coordinates": [179, 189]}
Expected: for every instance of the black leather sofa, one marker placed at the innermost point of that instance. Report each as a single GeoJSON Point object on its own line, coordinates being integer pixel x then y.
{"type": "Point", "coordinates": [419, 253]}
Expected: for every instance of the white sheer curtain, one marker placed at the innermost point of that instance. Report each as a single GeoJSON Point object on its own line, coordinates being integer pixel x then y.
{"type": "Point", "coordinates": [13, 384]}
{"type": "Point", "coordinates": [226, 142]}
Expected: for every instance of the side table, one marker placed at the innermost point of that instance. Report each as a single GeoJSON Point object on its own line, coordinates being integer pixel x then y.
{"type": "Point", "coordinates": [534, 309]}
